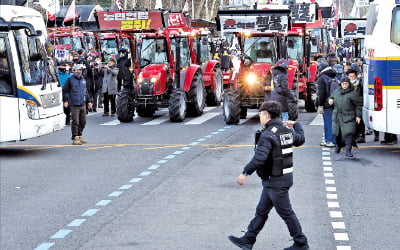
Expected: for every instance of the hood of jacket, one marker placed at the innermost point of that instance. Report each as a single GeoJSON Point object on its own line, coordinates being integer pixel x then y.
{"type": "Point", "coordinates": [330, 72]}
{"type": "Point", "coordinates": [278, 70]}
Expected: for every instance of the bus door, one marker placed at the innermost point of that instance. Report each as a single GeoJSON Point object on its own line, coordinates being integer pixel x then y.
{"type": "Point", "coordinates": [9, 111]}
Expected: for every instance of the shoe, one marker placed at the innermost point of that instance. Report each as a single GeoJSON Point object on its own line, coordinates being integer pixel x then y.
{"type": "Point", "coordinates": [369, 132]}
{"type": "Point", "coordinates": [240, 242]}
{"type": "Point", "coordinates": [297, 247]}
{"type": "Point", "coordinates": [322, 144]}
{"type": "Point", "coordinates": [112, 114]}
{"type": "Point", "coordinates": [329, 144]}
{"type": "Point", "coordinates": [348, 153]}
{"type": "Point", "coordinates": [361, 140]}
{"type": "Point", "coordinates": [76, 141]}
{"type": "Point", "coordinates": [82, 140]}
{"type": "Point", "coordinates": [94, 110]}
{"type": "Point", "coordinates": [68, 123]}
{"type": "Point", "coordinates": [337, 149]}
{"type": "Point", "coordinates": [376, 138]}
{"type": "Point", "coordinates": [105, 114]}
{"type": "Point", "coordinates": [100, 106]}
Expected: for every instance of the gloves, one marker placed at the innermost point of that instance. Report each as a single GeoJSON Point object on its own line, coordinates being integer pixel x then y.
{"type": "Point", "coordinates": [320, 110]}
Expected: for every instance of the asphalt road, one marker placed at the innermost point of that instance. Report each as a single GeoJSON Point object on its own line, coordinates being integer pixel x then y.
{"type": "Point", "coordinates": [153, 184]}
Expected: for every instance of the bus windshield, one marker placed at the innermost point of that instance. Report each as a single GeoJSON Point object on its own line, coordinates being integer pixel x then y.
{"type": "Point", "coordinates": [295, 48]}
{"type": "Point", "coordinates": [260, 49]}
{"type": "Point", "coordinates": [395, 30]}
{"type": "Point", "coordinates": [153, 51]}
{"type": "Point", "coordinates": [34, 60]}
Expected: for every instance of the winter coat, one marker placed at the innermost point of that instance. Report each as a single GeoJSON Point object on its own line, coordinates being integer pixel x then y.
{"type": "Point", "coordinates": [347, 106]}
{"type": "Point", "coordinates": [63, 76]}
{"type": "Point", "coordinates": [110, 81]}
{"type": "Point", "coordinates": [123, 64]}
{"type": "Point", "coordinates": [322, 82]}
{"type": "Point", "coordinates": [75, 91]}
{"type": "Point", "coordinates": [280, 91]}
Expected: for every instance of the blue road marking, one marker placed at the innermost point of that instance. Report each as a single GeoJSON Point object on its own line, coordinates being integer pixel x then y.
{"type": "Point", "coordinates": [186, 148]}
{"type": "Point", "coordinates": [76, 223]}
{"type": "Point", "coordinates": [90, 212]}
{"type": "Point", "coordinates": [103, 202]}
{"type": "Point", "coordinates": [136, 180]}
{"type": "Point", "coordinates": [45, 246]}
{"type": "Point", "coordinates": [125, 187]}
{"type": "Point", "coordinates": [162, 161]}
{"type": "Point", "coordinates": [115, 194]}
{"type": "Point", "coordinates": [145, 173]}
{"type": "Point", "coordinates": [61, 234]}
{"type": "Point", "coordinates": [169, 157]}
{"type": "Point", "coordinates": [154, 167]}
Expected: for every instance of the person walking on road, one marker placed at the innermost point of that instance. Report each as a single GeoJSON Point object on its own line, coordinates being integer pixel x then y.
{"type": "Point", "coordinates": [75, 88]}
{"type": "Point", "coordinates": [358, 87]}
{"type": "Point", "coordinates": [347, 114]}
{"type": "Point", "coordinates": [63, 75]}
{"type": "Point", "coordinates": [109, 87]}
{"type": "Point", "coordinates": [326, 76]}
{"type": "Point", "coordinates": [273, 162]}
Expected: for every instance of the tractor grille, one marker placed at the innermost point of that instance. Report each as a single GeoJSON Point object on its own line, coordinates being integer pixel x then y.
{"type": "Point", "coordinates": [146, 88]}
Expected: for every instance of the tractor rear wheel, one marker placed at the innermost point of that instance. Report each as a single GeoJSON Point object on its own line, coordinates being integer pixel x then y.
{"type": "Point", "coordinates": [125, 106]}
{"type": "Point", "coordinates": [231, 106]}
{"type": "Point", "coordinates": [177, 106]}
{"type": "Point", "coordinates": [214, 98]}
{"type": "Point", "coordinates": [197, 93]}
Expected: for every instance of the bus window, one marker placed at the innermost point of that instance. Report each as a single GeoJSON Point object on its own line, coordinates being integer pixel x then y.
{"type": "Point", "coordinates": [5, 77]}
{"type": "Point", "coordinates": [395, 30]}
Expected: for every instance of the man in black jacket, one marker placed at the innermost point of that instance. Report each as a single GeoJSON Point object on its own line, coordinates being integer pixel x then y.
{"type": "Point", "coordinates": [273, 162]}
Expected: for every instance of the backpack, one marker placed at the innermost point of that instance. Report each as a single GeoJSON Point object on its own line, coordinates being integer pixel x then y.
{"type": "Point", "coordinates": [331, 84]}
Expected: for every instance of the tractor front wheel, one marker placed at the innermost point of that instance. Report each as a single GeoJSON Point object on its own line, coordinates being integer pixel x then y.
{"type": "Point", "coordinates": [125, 106]}
{"type": "Point", "coordinates": [231, 107]}
{"type": "Point", "coordinates": [177, 106]}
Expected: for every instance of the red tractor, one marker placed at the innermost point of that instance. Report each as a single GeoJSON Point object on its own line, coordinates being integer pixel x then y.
{"type": "Point", "coordinates": [163, 69]}
{"type": "Point", "coordinates": [66, 40]}
{"type": "Point", "coordinates": [259, 33]}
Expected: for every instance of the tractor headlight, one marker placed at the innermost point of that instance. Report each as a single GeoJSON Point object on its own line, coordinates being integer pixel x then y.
{"type": "Point", "coordinates": [154, 79]}
{"type": "Point", "coordinates": [140, 79]}
{"type": "Point", "coordinates": [32, 109]}
{"type": "Point", "coordinates": [251, 78]}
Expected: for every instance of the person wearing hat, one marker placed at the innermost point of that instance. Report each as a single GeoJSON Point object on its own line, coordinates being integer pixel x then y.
{"type": "Point", "coordinates": [63, 75]}
{"type": "Point", "coordinates": [326, 77]}
{"type": "Point", "coordinates": [347, 113]}
{"type": "Point", "coordinates": [273, 163]}
{"type": "Point", "coordinates": [124, 74]}
{"type": "Point", "coordinates": [279, 89]}
{"type": "Point", "coordinates": [109, 87]}
{"type": "Point", "coordinates": [358, 88]}
{"type": "Point", "coordinates": [76, 91]}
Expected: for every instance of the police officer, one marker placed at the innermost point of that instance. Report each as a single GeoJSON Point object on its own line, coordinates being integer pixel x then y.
{"type": "Point", "coordinates": [273, 162]}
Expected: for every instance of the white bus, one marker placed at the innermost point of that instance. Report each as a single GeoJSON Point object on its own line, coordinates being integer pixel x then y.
{"type": "Point", "coordinates": [381, 109]}
{"type": "Point", "coordinates": [30, 95]}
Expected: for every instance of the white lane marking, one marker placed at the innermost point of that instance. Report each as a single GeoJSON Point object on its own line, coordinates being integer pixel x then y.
{"type": "Point", "coordinates": [103, 203]}
{"type": "Point", "coordinates": [111, 123]}
{"type": "Point", "coordinates": [326, 158]}
{"type": "Point", "coordinates": [145, 173]}
{"type": "Point", "coordinates": [194, 143]}
{"type": "Point", "coordinates": [90, 212]}
{"type": "Point", "coordinates": [162, 161]}
{"type": "Point", "coordinates": [45, 246]}
{"type": "Point", "coordinates": [326, 153]}
{"type": "Point", "coordinates": [327, 163]}
{"type": "Point", "coordinates": [115, 194]}
{"type": "Point", "coordinates": [207, 109]}
{"type": "Point", "coordinates": [326, 149]}
{"type": "Point", "coordinates": [334, 204]}
{"type": "Point", "coordinates": [201, 119]}
{"type": "Point", "coordinates": [329, 181]}
{"type": "Point", "coordinates": [336, 214]}
{"type": "Point", "coordinates": [341, 236]}
{"type": "Point", "coordinates": [248, 117]}
{"type": "Point", "coordinates": [202, 139]}
{"type": "Point", "coordinates": [215, 133]}
{"type": "Point", "coordinates": [186, 148]}
{"type": "Point", "coordinates": [158, 120]}
{"type": "Point", "coordinates": [318, 120]}
{"type": "Point", "coordinates": [125, 187]}
{"type": "Point", "coordinates": [177, 152]}
{"type": "Point", "coordinates": [152, 167]}
{"type": "Point", "coordinates": [61, 234]}
{"type": "Point", "coordinates": [208, 136]}
{"type": "Point", "coordinates": [331, 196]}
{"type": "Point", "coordinates": [76, 223]}
{"type": "Point", "coordinates": [229, 126]}
{"type": "Point", "coordinates": [343, 247]}
{"type": "Point", "coordinates": [221, 130]}
{"type": "Point", "coordinates": [136, 180]}
{"type": "Point", "coordinates": [329, 175]}
{"type": "Point", "coordinates": [328, 169]}
{"type": "Point", "coordinates": [330, 189]}
{"type": "Point", "coordinates": [169, 157]}
{"type": "Point", "coordinates": [338, 225]}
